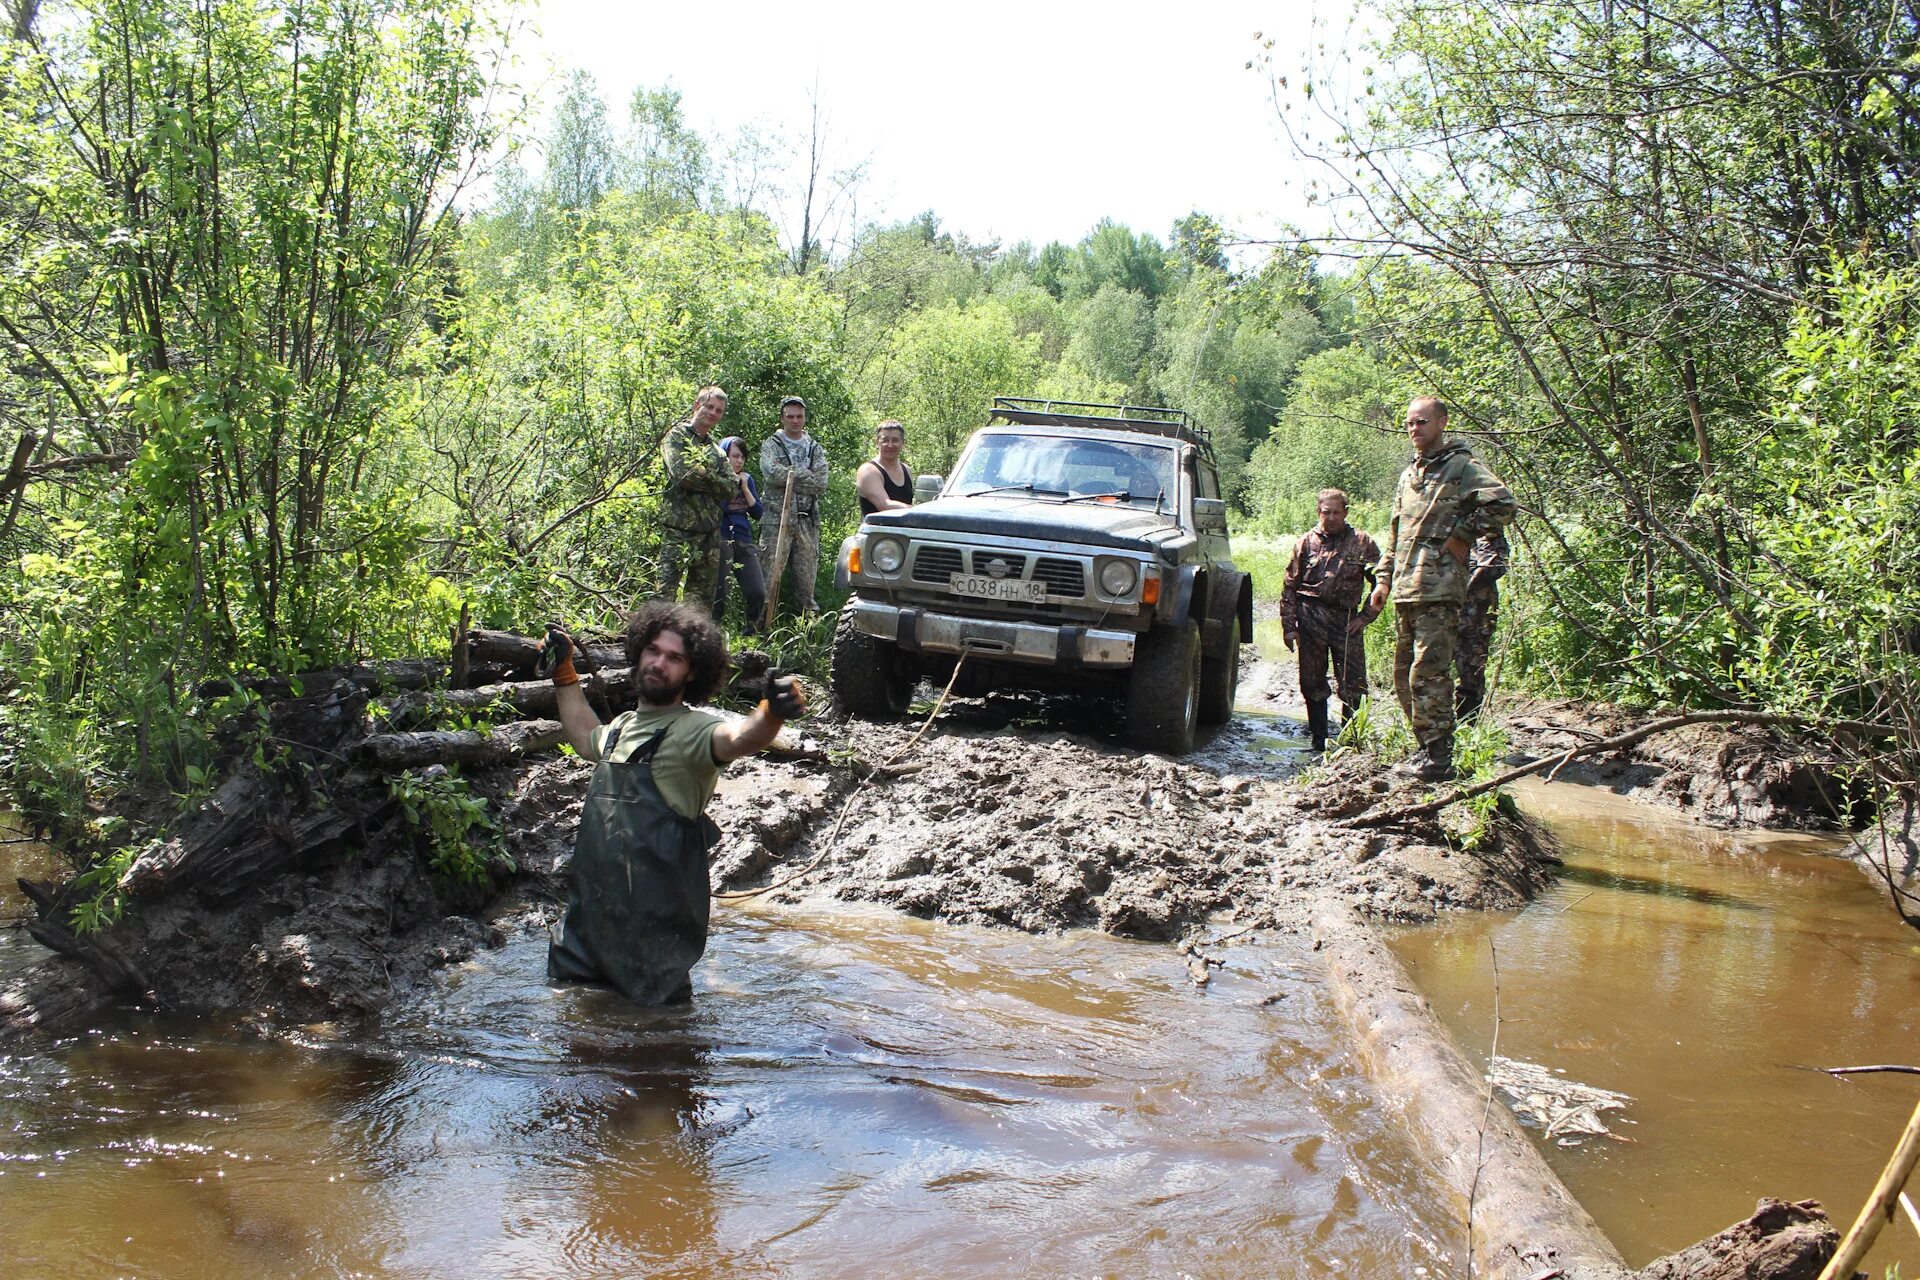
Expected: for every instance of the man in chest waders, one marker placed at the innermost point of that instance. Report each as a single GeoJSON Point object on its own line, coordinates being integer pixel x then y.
{"type": "Point", "coordinates": [637, 890]}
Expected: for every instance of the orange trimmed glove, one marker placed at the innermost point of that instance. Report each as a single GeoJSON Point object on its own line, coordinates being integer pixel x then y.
{"type": "Point", "coordinates": [556, 657]}
{"type": "Point", "coordinates": [785, 698]}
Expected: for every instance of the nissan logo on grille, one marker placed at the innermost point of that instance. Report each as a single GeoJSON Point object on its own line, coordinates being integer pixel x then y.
{"type": "Point", "coordinates": [996, 568]}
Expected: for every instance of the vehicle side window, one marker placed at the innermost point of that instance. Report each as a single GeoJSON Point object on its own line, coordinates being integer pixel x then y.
{"type": "Point", "coordinates": [1204, 485]}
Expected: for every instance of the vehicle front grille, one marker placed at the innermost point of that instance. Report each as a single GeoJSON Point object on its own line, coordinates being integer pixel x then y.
{"type": "Point", "coordinates": [1063, 577]}
{"type": "Point", "coordinates": [1016, 564]}
{"type": "Point", "coordinates": [935, 564]}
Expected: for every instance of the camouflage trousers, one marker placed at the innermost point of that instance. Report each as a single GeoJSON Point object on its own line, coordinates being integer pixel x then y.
{"type": "Point", "coordinates": [1477, 618]}
{"type": "Point", "coordinates": [689, 567]}
{"type": "Point", "coordinates": [1323, 639]}
{"type": "Point", "coordinates": [1423, 666]}
{"type": "Point", "coordinates": [803, 558]}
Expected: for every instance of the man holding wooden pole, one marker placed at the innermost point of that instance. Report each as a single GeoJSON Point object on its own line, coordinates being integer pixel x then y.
{"type": "Point", "coordinates": [793, 464]}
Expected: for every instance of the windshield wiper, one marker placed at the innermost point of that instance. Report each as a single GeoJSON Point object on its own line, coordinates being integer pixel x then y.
{"type": "Point", "coordinates": [1125, 495]}
{"type": "Point", "coordinates": [1026, 488]}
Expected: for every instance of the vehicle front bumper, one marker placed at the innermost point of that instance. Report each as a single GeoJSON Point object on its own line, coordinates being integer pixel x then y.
{"type": "Point", "coordinates": [923, 630]}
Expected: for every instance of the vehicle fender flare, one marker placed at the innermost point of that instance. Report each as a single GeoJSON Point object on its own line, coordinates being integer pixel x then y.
{"type": "Point", "coordinates": [1231, 597]}
{"type": "Point", "coordinates": [1189, 595]}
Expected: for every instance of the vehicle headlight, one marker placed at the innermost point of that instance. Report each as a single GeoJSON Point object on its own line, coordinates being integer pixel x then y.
{"type": "Point", "coordinates": [1116, 577]}
{"type": "Point", "coordinates": [887, 554]}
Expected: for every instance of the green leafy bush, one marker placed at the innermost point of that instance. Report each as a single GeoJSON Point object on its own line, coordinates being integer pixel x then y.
{"type": "Point", "coordinates": [460, 836]}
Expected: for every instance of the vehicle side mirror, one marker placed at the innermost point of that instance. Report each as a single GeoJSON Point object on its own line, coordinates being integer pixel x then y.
{"type": "Point", "coordinates": [926, 488]}
{"type": "Point", "coordinates": [1210, 515]}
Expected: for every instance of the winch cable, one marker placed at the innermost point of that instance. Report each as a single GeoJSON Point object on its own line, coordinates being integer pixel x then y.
{"type": "Point", "coordinates": [740, 895]}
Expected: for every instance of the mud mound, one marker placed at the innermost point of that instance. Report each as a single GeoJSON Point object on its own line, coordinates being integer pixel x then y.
{"type": "Point", "coordinates": [1044, 832]}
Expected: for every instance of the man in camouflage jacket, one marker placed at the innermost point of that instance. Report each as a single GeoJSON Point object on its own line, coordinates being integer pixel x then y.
{"type": "Point", "coordinates": [1325, 584]}
{"type": "Point", "coordinates": [1486, 565]}
{"type": "Point", "coordinates": [790, 451]}
{"type": "Point", "coordinates": [698, 482]}
{"type": "Point", "coordinates": [1446, 499]}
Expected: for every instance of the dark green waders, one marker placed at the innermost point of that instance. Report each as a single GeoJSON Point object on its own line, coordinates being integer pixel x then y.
{"type": "Point", "coordinates": [638, 892]}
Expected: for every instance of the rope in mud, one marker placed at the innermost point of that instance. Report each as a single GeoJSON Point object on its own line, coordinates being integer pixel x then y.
{"type": "Point", "coordinates": [833, 839]}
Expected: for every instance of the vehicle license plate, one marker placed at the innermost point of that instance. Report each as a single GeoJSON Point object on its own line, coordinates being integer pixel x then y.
{"type": "Point", "coordinates": [982, 587]}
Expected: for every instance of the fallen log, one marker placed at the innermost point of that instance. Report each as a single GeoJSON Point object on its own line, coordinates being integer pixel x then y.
{"type": "Point", "coordinates": [51, 931]}
{"type": "Point", "coordinates": [461, 746]}
{"type": "Point", "coordinates": [527, 699]}
{"type": "Point", "coordinates": [1521, 1221]}
{"type": "Point", "coordinates": [523, 652]}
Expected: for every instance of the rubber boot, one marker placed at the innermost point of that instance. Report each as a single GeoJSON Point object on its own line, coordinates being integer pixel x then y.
{"type": "Point", "coordinates": [1433, 762]}
{"type": "Point", "coordinates": [1317, 726]}
{"type": "Point", "coordinates": [1438, 765]}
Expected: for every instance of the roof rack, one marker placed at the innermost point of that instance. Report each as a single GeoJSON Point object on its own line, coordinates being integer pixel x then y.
{"type": "Point", "coordinates": [1149, 419]}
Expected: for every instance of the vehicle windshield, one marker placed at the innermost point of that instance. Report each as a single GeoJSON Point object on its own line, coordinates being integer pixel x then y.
{"type": "Point", "coordinates": [1066, 466]}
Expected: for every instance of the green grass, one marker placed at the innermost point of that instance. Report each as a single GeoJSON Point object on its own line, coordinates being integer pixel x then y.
{"type": "Point", "coordinates": [1265, 560]}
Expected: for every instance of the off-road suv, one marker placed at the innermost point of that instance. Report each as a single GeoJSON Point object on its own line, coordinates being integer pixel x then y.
{"type": "Point", "coordinates": [1076, 547]}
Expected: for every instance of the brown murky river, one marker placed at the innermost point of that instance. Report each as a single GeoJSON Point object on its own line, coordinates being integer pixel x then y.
{"type": "Point", "coordinates": [1700, 973]}
{"type": "Point", "coordinates": [852, 1093]}
{"type": "Point", "coordinates": [855, 1092]}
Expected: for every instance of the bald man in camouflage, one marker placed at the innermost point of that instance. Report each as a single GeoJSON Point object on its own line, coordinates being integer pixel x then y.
{"type": "Point", "coordinates": [699, 481]}
{"type": "Point", "coordinates": [1445, 500]}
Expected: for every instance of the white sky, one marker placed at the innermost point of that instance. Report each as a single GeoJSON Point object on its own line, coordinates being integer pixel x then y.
{"type": "Point", "coordinates": [1010, 121]}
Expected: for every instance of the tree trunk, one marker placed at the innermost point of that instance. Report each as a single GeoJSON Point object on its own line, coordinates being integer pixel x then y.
{"type": "Point", "coordinates": [462, 746]}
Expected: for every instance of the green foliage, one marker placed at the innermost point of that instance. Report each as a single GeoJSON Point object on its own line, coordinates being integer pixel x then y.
{"type": "Point", "coordinates": [802, 647]}
{"type": "Point", "coordinates": [541, 418]}
{"type": "Point", "coordinates": [105, 884]}
{"type": "Point", "coordinates": [264, 193]}
{"type": "Point", "coordinates": [460, 836]}
{"type": "Point", "coordinates": [1339, 430]}
{"type": "Point", "coordinates": [941, 371]}
{"type": "Point", "coordinates": [1837, 625]}
{"type": "Point", "coordinates": [1386, 737]}
{"type": "Point", "coordinates": [1479, 753]}
{"type": "Point", "coordinates": [1265, 561]}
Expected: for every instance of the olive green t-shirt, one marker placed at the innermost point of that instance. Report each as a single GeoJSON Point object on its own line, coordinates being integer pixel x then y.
{"type": "Point", "coordinates": [683, 768]}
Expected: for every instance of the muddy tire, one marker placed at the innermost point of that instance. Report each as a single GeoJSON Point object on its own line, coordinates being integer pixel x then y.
{"type": "Point", "coordinates": [1163, 693]}
{"type": "Point", "coordinates": [869, 677]}
{"type": "Point", "coordinates": [1220, 679]}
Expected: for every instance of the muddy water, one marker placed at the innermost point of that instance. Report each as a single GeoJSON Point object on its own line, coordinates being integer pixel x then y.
{"type": "Point", "coordinates": [1700, 973]}
{"type": "Point", "coordinates": [851, 1093]}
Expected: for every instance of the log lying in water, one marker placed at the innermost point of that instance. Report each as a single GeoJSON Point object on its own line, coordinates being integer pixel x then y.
{"type": "Point", "coordinates": [461, 746]}
{"type": "Point", "coordinates": [1524, 1221]}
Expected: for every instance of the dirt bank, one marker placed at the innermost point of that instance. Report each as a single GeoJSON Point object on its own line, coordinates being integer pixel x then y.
{"type": "Point", "coordinates": [1725, 775]}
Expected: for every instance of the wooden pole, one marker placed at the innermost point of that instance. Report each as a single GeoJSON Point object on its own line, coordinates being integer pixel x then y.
{"type": "Point", "coordinates": [1880, 1205]}
{"type": "Point", "coordinates": [780, 546]}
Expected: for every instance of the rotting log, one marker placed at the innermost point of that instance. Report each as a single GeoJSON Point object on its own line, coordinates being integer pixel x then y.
{"type": "Point", "coordinates": [527, 699]}
{"type": "Point", "coordinates": [522, 653]}
{"type": "Point", "coordinates": [52, 931]}
{"type": "Point", "coordinates": [1524, 1221]}
{"type": "Point", "coordinates": [461, 746]}
{"type": "Point", "coordinates": [1778, 1241]}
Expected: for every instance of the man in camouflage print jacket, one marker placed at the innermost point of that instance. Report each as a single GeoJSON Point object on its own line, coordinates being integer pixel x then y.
{"type": "Point", "coordinates": [1320, 611]}
{"type": "Point", "coordinates": [1446, 499]}
{"type": "Point", "coordinates": [698, 481]}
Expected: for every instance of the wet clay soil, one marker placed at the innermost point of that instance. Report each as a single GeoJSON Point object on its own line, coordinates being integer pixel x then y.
{"type": "Point", "coordinates": [989, 819]}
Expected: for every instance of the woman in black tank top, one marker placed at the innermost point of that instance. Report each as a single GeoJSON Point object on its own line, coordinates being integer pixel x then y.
{"type": "Point", "coordinates": [879, 490]}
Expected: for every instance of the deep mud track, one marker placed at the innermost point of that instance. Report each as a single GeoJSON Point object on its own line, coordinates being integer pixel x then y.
{"type": "Point", "coordinates": [988, 821]}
